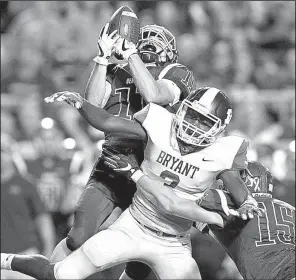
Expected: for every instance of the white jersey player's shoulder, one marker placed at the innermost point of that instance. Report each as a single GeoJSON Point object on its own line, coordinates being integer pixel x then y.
{"type": "Point", "coordinates": [230, 151]}
{"type": "Point", "coordinates": [152, 115]}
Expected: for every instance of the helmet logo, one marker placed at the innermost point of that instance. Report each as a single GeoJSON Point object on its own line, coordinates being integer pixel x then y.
{"type": "Point", "coordinates": [125, 30]}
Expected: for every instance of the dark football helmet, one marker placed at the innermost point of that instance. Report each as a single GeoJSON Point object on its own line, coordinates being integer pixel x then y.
{"type": "Point", "coordinates": [202, 117]}
{"type": "Point", "coordinates": [157, 44]}
{"type": "Point", "coordinates": [258, 179]}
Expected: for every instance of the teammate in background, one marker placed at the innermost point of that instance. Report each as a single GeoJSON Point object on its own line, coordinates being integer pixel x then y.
{"type": "Point", "coordinates": [181, 152]}
{"type": "Point", "coordinates": [262, 248]}
{"type": "Point", "coordinates": [148, 73]}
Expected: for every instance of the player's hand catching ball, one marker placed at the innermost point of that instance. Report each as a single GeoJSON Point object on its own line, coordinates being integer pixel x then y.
{"type": "Point", "coordinates": [125, 165]}
{"type": "Point", "coordinates": [72, 98]}
{"type": "Point", "coordinates": [106, 42]}
{"type": "Point", "coordinates": [124, 49]}
{"type": "Point", "coordinates": [247, 209]}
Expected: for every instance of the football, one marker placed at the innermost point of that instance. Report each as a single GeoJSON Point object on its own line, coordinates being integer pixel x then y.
{"type": "Point", "coordinates": [127, 24]}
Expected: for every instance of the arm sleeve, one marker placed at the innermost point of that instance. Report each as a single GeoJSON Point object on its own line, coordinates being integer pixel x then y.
{"type": "Point", "coordinates": [218, 201]}
{"type": "Point", "coordinates": [106, 122]}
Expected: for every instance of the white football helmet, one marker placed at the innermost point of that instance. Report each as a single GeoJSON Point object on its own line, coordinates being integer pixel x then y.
{"type": "Point", "coordinates": [202, 117]}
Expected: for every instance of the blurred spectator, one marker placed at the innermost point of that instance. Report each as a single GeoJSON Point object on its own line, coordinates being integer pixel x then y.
{"type": "Point", "coordinates": [24, 221]}
{"type": "Point", "coordinates": [48, 163]}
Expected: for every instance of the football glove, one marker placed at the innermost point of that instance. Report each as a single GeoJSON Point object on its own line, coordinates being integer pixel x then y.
{"type": "Point", "coordinates": [124, 49]}
{"type": "Point", "coordinates": [125, 165]}
{"type": "Point", "coordinates": [247, 209]}
{"type": "Point", "coordinates": [105, 45]}
{"type": "Point", "coordinates": [72, 98]}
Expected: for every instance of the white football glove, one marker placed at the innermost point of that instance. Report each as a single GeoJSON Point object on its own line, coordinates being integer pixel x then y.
{"type": "Point", "coordinates": [105, 45]}
{"type": "Point", "coordinates": [125, 48]}
{"type": "Point", "coordinates": [247, 209]}
{"type": "Point", "coordinates": [72, 98]}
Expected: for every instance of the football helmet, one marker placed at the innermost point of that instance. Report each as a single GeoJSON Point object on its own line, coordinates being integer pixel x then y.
{"type": "Point", "coordinates": [258, 179]}
{"type": "Point", "coordinates": [202, 117]}
{"type": "Point", "coordinates": [157, 44]}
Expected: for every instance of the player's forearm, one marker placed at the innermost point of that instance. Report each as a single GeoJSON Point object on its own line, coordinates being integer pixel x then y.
{"type": "Point", "coordinates": [235, 185]}
{"type": "Point", "coordinates": [146, 84]}
{"type": "Point", "coordinates": [96, 85]}
{"type": "Point", "coordinates": [165, 199]}
{"type": "Point", "coordinates": [106, 122]}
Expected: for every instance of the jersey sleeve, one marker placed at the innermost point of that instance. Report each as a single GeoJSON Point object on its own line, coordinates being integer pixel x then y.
{"type": "Point", "coordinates": [181, 76]}
{"type": "Point", "coordinates": [217, 201]}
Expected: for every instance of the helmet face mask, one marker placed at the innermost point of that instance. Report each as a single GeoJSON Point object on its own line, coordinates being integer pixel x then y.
{"type": "Point", "coordinates": [157, 44]}
{"type": "Point", "coordinates": [195, 124]}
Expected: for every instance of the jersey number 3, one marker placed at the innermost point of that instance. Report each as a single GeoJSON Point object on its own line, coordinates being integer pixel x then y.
{"type": "Point", "coordinates": [169, 176]}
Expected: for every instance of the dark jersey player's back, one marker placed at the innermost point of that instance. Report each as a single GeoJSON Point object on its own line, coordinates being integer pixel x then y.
{"type": "Point", "coordinates": [263, 246]}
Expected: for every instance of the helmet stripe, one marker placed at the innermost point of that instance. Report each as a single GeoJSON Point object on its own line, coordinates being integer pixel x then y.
{"type": "Point", "coordinates": [208, 97]}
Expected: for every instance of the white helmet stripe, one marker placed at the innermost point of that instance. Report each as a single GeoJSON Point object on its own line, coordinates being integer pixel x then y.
{"type": "Point", "coordinates": [208, 97]}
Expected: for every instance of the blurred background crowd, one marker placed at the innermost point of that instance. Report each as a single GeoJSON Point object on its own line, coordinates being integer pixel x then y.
{"type": "Point", "coordinates": [245, 48]}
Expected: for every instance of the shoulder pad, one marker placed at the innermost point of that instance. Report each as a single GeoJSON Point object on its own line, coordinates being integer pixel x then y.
{"type": "Point", "coordinates": [230, 152]}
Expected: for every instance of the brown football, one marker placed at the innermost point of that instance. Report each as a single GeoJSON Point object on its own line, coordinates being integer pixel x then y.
{"type": "Point", "coordinates": [127, 24]}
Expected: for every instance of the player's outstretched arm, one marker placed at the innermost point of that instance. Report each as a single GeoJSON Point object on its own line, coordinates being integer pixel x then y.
{"type": "Point", "coordinates": [247, 205]}
{"type": "Point", "coordinates": [165, 198]}
{"type": "Point", "coordinates": [95, 91]}
{"type": "Point", "coordinates": [156, 192]}
{"type": "Point", "coordinates": [98, 117]}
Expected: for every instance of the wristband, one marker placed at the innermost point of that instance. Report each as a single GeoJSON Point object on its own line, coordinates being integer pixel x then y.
{"type": "Point", "coordinates": [137, 175]}
{"type": "Point", "coordinates": [101, 60]}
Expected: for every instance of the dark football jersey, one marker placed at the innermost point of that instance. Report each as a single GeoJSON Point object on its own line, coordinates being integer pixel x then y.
{"type": "Point", "coordinates": [258, 246]}
{"type": "Point", "coordinates": [125, 100]}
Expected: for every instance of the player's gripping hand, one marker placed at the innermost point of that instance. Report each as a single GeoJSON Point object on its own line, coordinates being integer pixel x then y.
{"type": "Point", "coordinates": [72, 98]}
{"type": "Point", "coordinates": [106, 42]}
{"type": "Point", "coordinates": [105, 45]}
{"type": "Point", "coordinates": [124, 48]}
{"type": "Point", "coordinates": [247, 209]}
{"type": "Point", "coordinates": [125, 165]}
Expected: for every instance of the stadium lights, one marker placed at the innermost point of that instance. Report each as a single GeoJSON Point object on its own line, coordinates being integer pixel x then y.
{"type": "Point", "coordinates": [292, 146]}
{"type": "Point", "coordinates": [69, 143]}
{"type": "Point", "coordinates": [47, 123]}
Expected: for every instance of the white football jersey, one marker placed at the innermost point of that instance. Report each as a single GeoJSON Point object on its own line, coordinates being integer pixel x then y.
{"type": "Point", "coordinates": [188, 175]}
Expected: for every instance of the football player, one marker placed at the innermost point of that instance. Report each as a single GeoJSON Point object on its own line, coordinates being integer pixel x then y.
{"type": "Point", "coordinates": [185, 153]}
{"type": "Point", "coordinates": [262, 248]}
{"type": "Point", "coordinates": [142, 74]}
